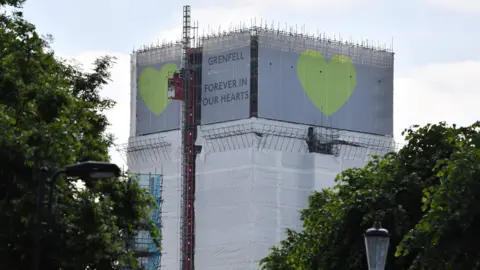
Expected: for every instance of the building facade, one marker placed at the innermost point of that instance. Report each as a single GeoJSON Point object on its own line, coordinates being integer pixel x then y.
{"type": "Point", "coordinates": [277, 116]}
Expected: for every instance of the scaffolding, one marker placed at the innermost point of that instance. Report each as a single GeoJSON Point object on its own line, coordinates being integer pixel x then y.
{"type": "Point", "coordinates": [156, 53]}
{"type": "Point", "coordinates": [348, 147]}
{"type": "Point", "coordinates": [143, 244]}
{"type": "Point", "coordinates": [365, 52]}
{"type": "Point", "coordinates": [359, 53]}
{"type": "Point", "coordinates": [274, 35]}
{"type": "Point", "coordinates": [261, 136]}
{"type": "Point", "coordinates": [144, 150]}
{"type": "Point", "coordinates": [270, 137]}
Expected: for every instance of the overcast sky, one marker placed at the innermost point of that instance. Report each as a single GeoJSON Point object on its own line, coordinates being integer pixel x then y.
{"type": "Point", "coordinates": [437, 60]}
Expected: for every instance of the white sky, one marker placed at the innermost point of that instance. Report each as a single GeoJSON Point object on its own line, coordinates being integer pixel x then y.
{"type": "Point", "coordinates": [435, 41]}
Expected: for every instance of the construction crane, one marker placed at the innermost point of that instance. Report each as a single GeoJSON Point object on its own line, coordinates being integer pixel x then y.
{"type": "Point", "coordinates": [182, 86]}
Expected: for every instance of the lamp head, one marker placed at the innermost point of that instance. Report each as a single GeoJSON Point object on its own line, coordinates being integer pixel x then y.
{"type": "Point", "coordinates": [377, 241]}
{"type": "Point", "coordinates": [93, 169]}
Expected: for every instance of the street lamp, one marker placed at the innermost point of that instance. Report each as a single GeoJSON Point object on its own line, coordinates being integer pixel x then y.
{"type": "Point", "coordinates": [93, 169]}
{"type": "Point", "coordinates": [376, 244]}
{"type": "Point", "coordinates": [85, 170]}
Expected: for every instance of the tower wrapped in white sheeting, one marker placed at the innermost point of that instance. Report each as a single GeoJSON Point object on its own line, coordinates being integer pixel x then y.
{"type": "Point", "coordinates": [253, 176]}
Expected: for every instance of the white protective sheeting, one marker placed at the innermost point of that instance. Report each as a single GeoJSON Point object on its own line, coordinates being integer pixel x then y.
{"type": "Point", "coordinates": [253, 178]}
{"type": "Point", "coordinates": [163, 160]}
{"type": "Point", "coordinates": [243, 206]}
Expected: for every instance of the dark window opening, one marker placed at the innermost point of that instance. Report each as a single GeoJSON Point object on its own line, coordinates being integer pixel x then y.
{"type": "Point", "coordinates": [325, 144]}
{"type": "Point", "coordinates": [316, 145]}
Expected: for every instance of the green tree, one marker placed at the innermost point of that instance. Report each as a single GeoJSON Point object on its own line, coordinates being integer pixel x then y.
{"type": "Point", "coordinates": [427, 195]}
{"type": "Point", "coordinates": [52, 115]}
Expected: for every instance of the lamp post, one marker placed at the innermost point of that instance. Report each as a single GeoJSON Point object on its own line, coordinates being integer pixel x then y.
{"type": "Point", "coordinates": [85, 170]}
{"type": "Point", "coordinates": [377, 241]}
{"type": "Point", "coordinates": [88, 169]}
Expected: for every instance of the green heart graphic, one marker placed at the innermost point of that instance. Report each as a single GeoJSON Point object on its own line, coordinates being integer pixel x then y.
{"type": "Point", "coordinates": [153, 87]}
{"type": "Point", "coordinates": [328, 85]}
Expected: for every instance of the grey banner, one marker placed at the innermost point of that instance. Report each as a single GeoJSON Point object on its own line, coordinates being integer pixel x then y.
{"type": "Point", "coordinates": [155, 112]}
{"type": "Point", "coordinates": [226, 79]}
{"type": "Point", "coordinates": [320, 83]}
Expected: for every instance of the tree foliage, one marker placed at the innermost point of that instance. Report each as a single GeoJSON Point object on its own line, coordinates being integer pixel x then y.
{"type": "Point", "coordinates": [52, 115]}
{"type": "Point", "coordinates": [427, 195]}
